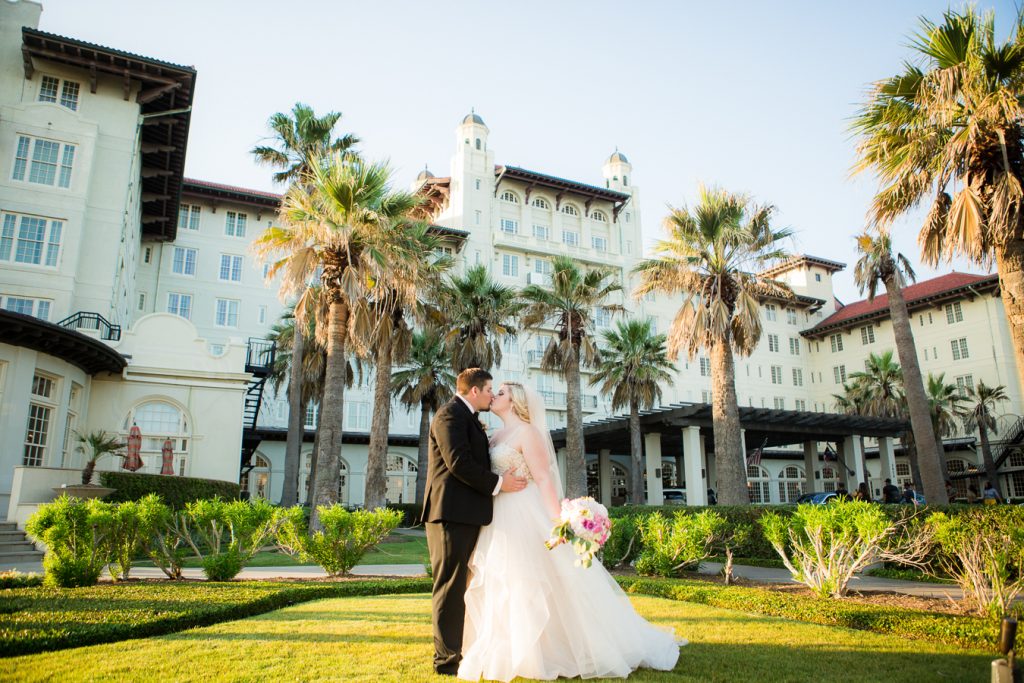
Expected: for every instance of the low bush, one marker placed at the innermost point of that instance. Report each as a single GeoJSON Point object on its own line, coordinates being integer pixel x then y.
{"type": "Point", "coordinates": [345, 538]}
{"type": "Point", "coordinates": [671, 545]}
{"type": "Point", "coordinates": [176, 492]}
{"type": "Point", "coordinates": [132, 526]}
{"type": "Point", "coordinates": [15, 579]}
{"type": "Point", "coordinates": [410, 513]}
{"type": "Point", "coordinates": [225, 535]}
{"type": "Point", "coordinates": [39, 619]}
{"type": "Point", "coordinates": [963, 631]}
{"type": "Point", "coordinates": [76, 534]}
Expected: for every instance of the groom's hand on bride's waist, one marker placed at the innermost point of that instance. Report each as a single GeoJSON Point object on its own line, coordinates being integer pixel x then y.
{"type": "Point", "coordinates": [511, 483]}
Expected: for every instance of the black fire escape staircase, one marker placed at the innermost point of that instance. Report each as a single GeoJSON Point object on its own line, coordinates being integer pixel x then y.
{"type": "Point", "coordinates": [259, 360]}
{"type": "Point", "coordinates": [1013, 441]}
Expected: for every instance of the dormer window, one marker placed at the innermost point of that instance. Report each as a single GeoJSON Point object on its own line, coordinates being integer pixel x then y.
{"type": "Point", "coordinates": [570, 210]}
{"type": "Point", "coordinates": [509, 197]}
{"type": "Point", "coordinates": [541, 203]}
{"type": "Point", "coordinates": [57, 91]}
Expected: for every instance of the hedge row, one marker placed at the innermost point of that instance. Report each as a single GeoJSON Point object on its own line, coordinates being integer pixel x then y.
{"type": "Point", "coordinates": [964, 631]}
{"type": "Point", "coordinates": [40, 619]}
{"type": "Point", "coordinates": [173, 491]}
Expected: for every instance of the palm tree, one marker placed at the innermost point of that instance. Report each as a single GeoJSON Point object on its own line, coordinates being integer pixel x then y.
{"type": "Point", "coordinates": [394, 301]}
{"type": "Point", "coordinates": [878, 391]}
{"type": "Point", "coordinates": [299, 139]}
{"type": "Point", "coordinates": [99, 443]}
{"type": "Point", "coordinates": [878, 264]}
{"type": "Point", "coordinates": [427, 381]}
{"type": "Point", "coordinates": [983, 402]}
{"type": "Point", "coordinates": [633, 367]}
{"type": "Point", "coordinates": [569, 305]}
{"type": "Point", "coordinates": [479, 314]}
{"type": "Point", "coordinates": [713, 256]}
{"type": "Point", "coordinates": [951, 123]}
{"type": "Point", "coordinates": [339, 226]}
{"type": "Point", "coordinates": [945, 406]}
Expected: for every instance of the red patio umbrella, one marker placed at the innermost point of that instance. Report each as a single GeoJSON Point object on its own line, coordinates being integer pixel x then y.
{"type": "Point", "coordinates": [168, 457]}
{"type": "Point", "coordinates": [132, 461]}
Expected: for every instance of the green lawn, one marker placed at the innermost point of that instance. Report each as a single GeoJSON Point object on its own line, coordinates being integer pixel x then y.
{"type": "Point", "coordinates": [387, 638]}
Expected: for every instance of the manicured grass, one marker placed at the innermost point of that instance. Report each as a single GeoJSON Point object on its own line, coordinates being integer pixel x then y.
{"type": "Point", "coordinates": [388, 638]}
{"type": "Point", "coordinates": [908, 575]}
{"type": "Point", "coordinates": [38, 619]}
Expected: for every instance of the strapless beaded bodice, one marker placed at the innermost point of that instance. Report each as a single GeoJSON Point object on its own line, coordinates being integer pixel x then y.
{"type": "Point", "coordinates": [504, 459]}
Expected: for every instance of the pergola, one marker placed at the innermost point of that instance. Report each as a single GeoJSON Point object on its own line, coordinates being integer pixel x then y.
{"type": "Point", "coordinates": [684, 431]}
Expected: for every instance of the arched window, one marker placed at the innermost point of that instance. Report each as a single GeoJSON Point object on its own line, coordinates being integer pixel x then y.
{"type": "Point", "coordinates": [828, 478]}
{"type": "Point", "coordinates": [758, 484]}
{"type": "Point", "coordinates": [903, 474]}
{"type": "Point", "coordinates": [401, 484]}
{"type": "Point", "coordinates": [791, 484]}
{"type": "Point", "coordinates": [599, 216]}
{"type": "Point", "coordinates": [570, 210]}
{"type": "Point", "coordinates": [257, 482]}
{"type": "Point", "coordinates": [541, 203]}
{"type": "Point", "coordinates": [510, 197]}
{"type": "Point", "coordinates": [957, 466]}
{"type": "Point", "coordinates": [159, 421]}
{"type": "Point", "coordinates": [478, 143]}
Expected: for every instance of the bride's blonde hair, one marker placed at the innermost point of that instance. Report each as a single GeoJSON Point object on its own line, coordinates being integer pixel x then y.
{"type": "Point", "coordinates": [520, 404]}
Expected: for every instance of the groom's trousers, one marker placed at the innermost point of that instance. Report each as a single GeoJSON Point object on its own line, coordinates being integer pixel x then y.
{"type": "Point", "coordinates": [450, 545]}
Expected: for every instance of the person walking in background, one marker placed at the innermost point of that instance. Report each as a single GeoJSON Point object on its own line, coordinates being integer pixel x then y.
{"type": "Point", "coordinates": [890, 492]}
{"type": "Point", "coordinates": [908, 493]}
{"type": "Point", "coordinates": [990, 496]}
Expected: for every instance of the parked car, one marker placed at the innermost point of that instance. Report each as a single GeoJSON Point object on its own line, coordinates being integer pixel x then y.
{"type": "Point", "coordinates": [816, 498]}
{"type": "Point", "coordinates": [674, 496]}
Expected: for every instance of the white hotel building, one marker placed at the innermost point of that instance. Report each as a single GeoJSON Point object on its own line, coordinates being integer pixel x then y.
{"type": "Point", "coordinates": [129, 295]}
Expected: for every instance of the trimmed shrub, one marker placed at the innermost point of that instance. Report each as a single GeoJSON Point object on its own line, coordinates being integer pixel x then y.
{"type": "Point", "coordinates": [176, 492]}
{"type": "Point", "coordinates": [132, 527]}
{"type": "Point", "coordinates": [410, 513]}
{"type": "Point", "coordinates": [673, 545]}
{"type": "Point", "coordinates": [228, 533]}
{"type": "Point", "coordinates": [76, 534]}
{"type": "Point", "coordinates": [345, 538]}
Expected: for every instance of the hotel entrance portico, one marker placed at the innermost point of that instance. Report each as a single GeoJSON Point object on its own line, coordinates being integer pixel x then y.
{"type": "Point", "coordinates": [681, 435]}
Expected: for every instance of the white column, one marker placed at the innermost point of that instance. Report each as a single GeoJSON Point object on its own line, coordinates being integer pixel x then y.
{"type": "Point", "coordinates": [652, 459]}
{"type": "Point", "coordinates": [710, 466]}
{"type": "Point", "coordinates": [887, 458]}
{"type": "Point", "coordinates": [604, 468]}
{"type": "Point", "coordinates": [696, 492]}
{"type": "Point", "coordinates": [810, 464]}
{"type": "Point", "coordinates": [854, 460]}
{"type": "Point", "coordinates": [561, 456]}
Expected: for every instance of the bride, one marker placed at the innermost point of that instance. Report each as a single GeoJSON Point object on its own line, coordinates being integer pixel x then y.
{"type": "Point", "coordinates": [529, 611]}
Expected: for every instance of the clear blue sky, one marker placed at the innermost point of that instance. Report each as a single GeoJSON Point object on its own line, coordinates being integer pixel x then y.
{"type": "Point", "coordinates": [753, 96]}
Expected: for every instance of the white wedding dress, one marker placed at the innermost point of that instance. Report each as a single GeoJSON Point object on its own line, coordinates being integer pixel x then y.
{"type": "Point", "coordinates": [530, 612]}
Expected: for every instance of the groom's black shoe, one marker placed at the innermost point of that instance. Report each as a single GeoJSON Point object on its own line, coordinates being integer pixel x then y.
{"type": "Point", "coordinates": [447, 671]}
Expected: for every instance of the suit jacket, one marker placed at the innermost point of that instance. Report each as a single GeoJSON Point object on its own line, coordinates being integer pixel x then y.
{"type": "Point", "coordinates": [460, 484]}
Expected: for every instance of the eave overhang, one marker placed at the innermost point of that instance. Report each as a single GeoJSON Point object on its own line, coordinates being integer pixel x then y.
{"type": "Point", "coordinates": [562, 187]}
{"type": "Point", "coordinates": [83, 351]}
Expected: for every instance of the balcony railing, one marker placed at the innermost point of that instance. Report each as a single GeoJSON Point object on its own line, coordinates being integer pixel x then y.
{"type": "Point", "coordinates": [87, 320]}
{"type": "Point", "coordinates": [259, 355]}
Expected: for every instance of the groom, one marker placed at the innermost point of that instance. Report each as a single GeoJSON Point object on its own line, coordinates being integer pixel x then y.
{"type": "Point", "coordinates": [458, 501]}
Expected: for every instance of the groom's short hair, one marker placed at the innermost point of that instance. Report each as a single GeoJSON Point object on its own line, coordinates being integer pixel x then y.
{"type": "Point", "coordinates": [472, 377]}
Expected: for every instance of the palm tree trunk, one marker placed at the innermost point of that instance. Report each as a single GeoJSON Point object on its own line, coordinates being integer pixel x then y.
{"type": "Point", "coordinates": [325, 490]}
{"type": "Point", "coordinates": [576, 479]}
{"type": "Point", "coordinates": [421, 456]}
{"type": "Point", "coordinates": [296, 422]}
{"type": "Point", "coordinates": [376, 462]}
{"type": "Point", "coordinates": [1010, 264]}
{"type": "Point", "coordinates": [636, 456]}
{"type": "Point", "coordinates": [989, 462]}
{"type": "Point", "coordinates": [313, 456]}
{"type": "Point", "coordinates": [929, 459]}
{"type": "Point", "coordinates": [910, 446]}
{"type": "Point", "coordinates": [725, 417]}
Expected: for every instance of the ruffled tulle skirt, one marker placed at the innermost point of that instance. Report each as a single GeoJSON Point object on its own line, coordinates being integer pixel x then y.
{"type": "Point", "coordinates": [530, 612]}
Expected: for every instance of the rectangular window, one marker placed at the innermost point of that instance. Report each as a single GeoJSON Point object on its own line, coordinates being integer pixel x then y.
{"type": "Point", "coordinates": [477, 213]}
{"type": "Point", "coordinates": [602, 318]}
{"type": "Point", "coordinates": [837, 342]}
{"type": "Point", "coordinates": [510, 226]}
{"type": "Point", "coordinates": [570, 237]}
{"type": "Point", "coordinates": [794, 346]}
{"type": "Point", "coordinates": [964, 383]}
{"type": "Point", "coordinates": [147, 255]}
{"type": "Point", "coordinates": [791, 316]}
{"type": "Point", "coordinates": [69, 95]}
{"type": "Point", "coordinates": [773, 343]}
{"type": "Point", "coordinates": [776, 374]}
{"type": "Point", "coordinates": [184, 262]}
{"type": "Point", "coordinates": [261, 315]}
{"type": "Point", "coordinates": [50, 87]}
{"type": "Point", "coordinates": [954, 313]}
{"type": "Point", "coordinates": [42, 387]}
{"type": "Point", "coordinates": [770, 312]}
{"type": "Point", "coordinates": [235, 224]}
{"type": "Point", "coordinates": [542, 232]}
{"type": "Point", "coordinates": [705, 366]}
{"type": "Point", "coordinates": [39, 308]}
{"type": "Point", "coordinates": [798, 377]}
{"type": "Point", "coordinates": [38, 161]}
{"type": "Point", "coordinates": [839, 371]}
{"type": "Point", "coordinates": [188, 217]}
{"type": "Point", "coordinates": [227, 313]}
{"type": "Point", "coordinates": [599, 243]}
{"type": "Point", "coordinates": [230, 268]}
{"type": "Point", "coordinates": [311, 413]}
{"type": "Point", "coordinates": [142, 301]}
{"type": "Point", "coordinates": [36, 435]}
{"type": "Point", "coordinates": [959, 348]}
{"type": "Point", "coordinates": [180, 304]}
{"type": "Point", "coordinates": [510, 265]}
{"type": "Point", "coordinates": [779, 402]}
{"type": "Point", "coordinates": [867, 335]}
{"type": "Point", "coordinates": [800, 404]}
{"type": "Point", "coordinates": [30, 240]}
{"type": "Point", "coordinates": [705, 396]}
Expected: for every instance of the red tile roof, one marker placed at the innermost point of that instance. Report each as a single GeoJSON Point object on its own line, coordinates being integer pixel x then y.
{"type": "Point", "coordinates": [915, 295]}
{"type": "Point", "coordinates": [197, 185]}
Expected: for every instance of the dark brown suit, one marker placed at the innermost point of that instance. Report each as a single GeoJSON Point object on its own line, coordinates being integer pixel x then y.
{"type": "Point", "coordinates": [459, 500]}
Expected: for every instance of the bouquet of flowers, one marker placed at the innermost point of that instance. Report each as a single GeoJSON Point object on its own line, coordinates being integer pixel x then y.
{"type": "Point", "coordinates": [584, 523]}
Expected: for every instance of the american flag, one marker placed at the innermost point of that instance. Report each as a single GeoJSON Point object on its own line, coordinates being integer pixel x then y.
{"type": "Point", "coordinates": [829, 455]}
{"type": "Point", "coordinates": [754, 456]}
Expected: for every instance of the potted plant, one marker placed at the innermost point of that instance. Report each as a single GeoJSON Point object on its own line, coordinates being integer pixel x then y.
{"type": "Point", "coordinates": [96, 444]}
